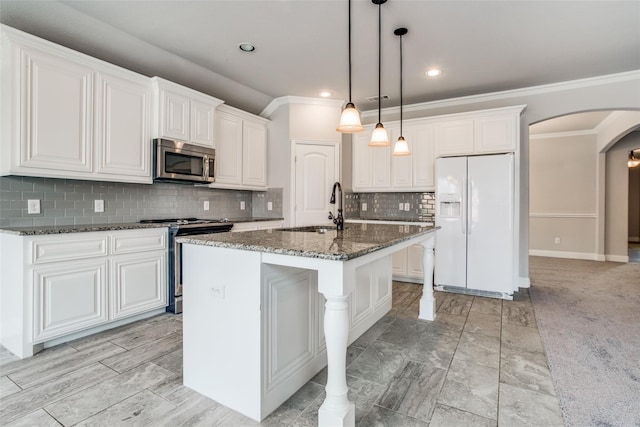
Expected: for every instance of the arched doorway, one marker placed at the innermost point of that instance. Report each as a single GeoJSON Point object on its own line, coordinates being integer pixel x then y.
{"type": "Point", "coordinates": [578, 204]}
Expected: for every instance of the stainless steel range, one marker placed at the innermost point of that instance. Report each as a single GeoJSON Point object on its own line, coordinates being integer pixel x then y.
{"type": "Point", "coordinates": [184, 227]}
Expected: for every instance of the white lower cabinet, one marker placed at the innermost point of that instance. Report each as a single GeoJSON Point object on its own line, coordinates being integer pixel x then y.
{"type": "Point", "coordinates": [408, 264]}
{"type": "Point", "coordinates": [67, 297]}
{"type": "Point", "coordinates": [257, 225]}
{"type": "Point", "coordinates": [57, 286]}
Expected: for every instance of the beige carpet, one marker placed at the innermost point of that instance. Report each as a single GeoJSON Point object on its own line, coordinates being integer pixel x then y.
{"type": "Point", "coordinates": [588, 314]}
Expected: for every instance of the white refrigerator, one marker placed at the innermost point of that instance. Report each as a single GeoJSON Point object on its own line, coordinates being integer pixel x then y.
{"type": "Point", "coordinates": [474, 248]}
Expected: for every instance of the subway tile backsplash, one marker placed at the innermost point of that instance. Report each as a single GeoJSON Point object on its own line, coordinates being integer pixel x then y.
{"type": "Point", "coordinates": [421, 206]}
{"type": "Point", "coordinates": [69, 202]}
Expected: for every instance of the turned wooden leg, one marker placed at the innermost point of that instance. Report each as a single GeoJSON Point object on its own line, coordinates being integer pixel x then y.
{"type": "Point", "coordinates": [428, 301]}
{"type": "Point", "coordinates": [336, 410]}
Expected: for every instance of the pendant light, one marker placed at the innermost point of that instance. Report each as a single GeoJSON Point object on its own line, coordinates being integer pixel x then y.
{"type": "Point", "coordinates": [350, 118]}
{"type": "Point", "coordinates": [401, 148]}
{"type": "Point", "coordinates": [379, 137]}
{"type": "Point", "coordinates": [633, 160]}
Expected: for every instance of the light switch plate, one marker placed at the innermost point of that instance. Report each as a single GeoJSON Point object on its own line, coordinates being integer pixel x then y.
{"type": "Point", "coordinates": [242, 205]}
{"type": "Point", "coordinates": [98, 205]}
{"type": "Point", "coordinates": [407, 207]}
{"type": "Point", "coordinates": [269, 206]}
{"type": "Point", "coordinates": [401, 206]}
{"type": "Point", "coordinates": [206, 205]}
{"type": "Point", "coordinates": [364, 206]}
{"type": "Point", "coordinates": [33, 206]}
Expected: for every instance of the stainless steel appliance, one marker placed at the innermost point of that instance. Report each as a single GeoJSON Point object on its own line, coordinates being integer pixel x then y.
{"type": "Point", "coordinates": [184, 227]}
{"type": "Point", "coordinates": [179, 161]}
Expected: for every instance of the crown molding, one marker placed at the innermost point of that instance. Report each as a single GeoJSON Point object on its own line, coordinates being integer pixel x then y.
{"type": "Point", "coordinates": [284, 100]}
{"type": "Point", "coordinates": [514, 93]}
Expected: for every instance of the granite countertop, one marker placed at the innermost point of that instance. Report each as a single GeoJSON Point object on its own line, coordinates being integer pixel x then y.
{"type": "Point", "coordinates": [390, 220]}
{"type": "Point", "coordinates": [356, 240]}
{"type": "Point", "coordinates": [83, 228]}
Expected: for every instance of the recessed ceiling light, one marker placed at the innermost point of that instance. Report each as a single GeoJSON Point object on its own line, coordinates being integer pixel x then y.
{"type": "Point", "coordinates": [434, 72]}
{"type": "Point", "coordinates": [246, 47]}
{"type": "Point", "coordinates": [325, 94]}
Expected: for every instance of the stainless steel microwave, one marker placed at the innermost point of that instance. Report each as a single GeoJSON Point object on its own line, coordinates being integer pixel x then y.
{"type": "Point", "coordinates": [179, 161]}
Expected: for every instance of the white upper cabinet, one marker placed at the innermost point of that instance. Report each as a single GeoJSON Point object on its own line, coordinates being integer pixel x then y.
{"type": "Point", "coordinates": [480, 132]}
{"type": "Point", "coordinates": [241, 150]}
{"type": "Point", "coordinates": [67, 115]}
{"type": "Point", "coordinates": [375, 169]}
{"type": "Point", "coordinates": [123, 120]}
{"type": "Point", "coordinates": [184, 114]}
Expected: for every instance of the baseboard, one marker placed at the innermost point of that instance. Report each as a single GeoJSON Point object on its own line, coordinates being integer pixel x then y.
{"type": "Point", "coordinates": [571, 255]}
{"type": "Point", "coordinates": [617, 258]}
{"type": "Point", "coordinates": [634, 239]}
{"type": "Point", "coordinates": [524, 282]}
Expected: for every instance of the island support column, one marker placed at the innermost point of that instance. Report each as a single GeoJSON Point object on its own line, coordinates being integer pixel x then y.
{"type": "Point", "coordinates": [428, 301]}
{"type": "Point", "coordinates": [336, 410]}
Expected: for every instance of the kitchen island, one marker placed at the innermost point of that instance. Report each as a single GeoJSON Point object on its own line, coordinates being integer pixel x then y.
{"type": "Point", "coordinates": [264, 311]}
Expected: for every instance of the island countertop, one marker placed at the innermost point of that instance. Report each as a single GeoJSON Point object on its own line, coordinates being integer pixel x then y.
{"type": "Point", "coordinates": [354, 241]}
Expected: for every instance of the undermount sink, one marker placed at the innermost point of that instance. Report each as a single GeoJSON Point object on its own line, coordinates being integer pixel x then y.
{"type": "Point", "coordinates": [311, 229]}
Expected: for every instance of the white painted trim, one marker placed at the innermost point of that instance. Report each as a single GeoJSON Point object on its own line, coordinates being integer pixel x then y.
{"type": "Point", "coordinates": [514, 93]}
{"type": "Point", "coordinates": [617, 258]}
{"type": "Point", "coordinates": [569, 134]}
{"type": "Point", "coordinates": [524, 282]}
{"type": "Point", "coordinates": [634, 239]}
{"type": "Point", "coordinates": [562, 215]}
{"type": "Point", "coordinates": [610, 119]}
{"type": "Point", "coordinates": [564, 254]}
{"type": "Point", "coordinates": [283, 100]}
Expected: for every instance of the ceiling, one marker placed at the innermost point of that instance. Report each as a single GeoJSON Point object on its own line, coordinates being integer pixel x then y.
{"type": "Point", "coordinates": [482, 46]}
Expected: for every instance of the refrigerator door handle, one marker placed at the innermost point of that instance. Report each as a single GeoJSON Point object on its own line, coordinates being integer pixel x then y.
{"type": "Point", "coordinates": [463, 207]}
{"type": "Point", "coordinates": [469, 207]}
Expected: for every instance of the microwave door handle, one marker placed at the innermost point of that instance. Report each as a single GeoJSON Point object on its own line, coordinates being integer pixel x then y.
{"type": "Point", "coordinates": [205, 169]}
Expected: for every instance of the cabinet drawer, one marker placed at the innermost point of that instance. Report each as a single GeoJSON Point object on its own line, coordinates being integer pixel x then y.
{"type": "Point", "coordinates": [68, 248]}
{"type": "Point", "coordinates": [139, 241]}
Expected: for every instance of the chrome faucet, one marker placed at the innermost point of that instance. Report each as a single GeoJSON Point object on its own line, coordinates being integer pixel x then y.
{"type": "Point", "coordinates": [337, 220]}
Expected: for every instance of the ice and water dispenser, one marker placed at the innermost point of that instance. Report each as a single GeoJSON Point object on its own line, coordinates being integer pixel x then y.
{"type": "Point", "coordinates": [450, 205]}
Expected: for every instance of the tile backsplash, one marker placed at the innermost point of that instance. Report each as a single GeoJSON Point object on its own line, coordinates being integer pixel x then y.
{"type": "Point", "coordinates": [69, 202]}
{"type": "Point", "coordinates": [421, 206]}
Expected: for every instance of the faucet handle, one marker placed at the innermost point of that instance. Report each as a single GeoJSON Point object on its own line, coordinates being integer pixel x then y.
{"type": "Point", "coordinates": [331, 215]}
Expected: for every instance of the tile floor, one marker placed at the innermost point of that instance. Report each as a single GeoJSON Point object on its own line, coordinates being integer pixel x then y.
{"type": "Point", "coordinates": [634, 252]}
{"type": "Point", "coordinates": [481, 363]}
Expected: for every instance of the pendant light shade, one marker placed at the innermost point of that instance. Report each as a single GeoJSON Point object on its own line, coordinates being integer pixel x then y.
{"type": "Point", "coordinates": [350, 119]}
{"type": "Point", "coordinates": [401, 148]}
{"type": "Point", "coordinates": [633, 160]}
{"type": "Point", "coordinates": [379, 137]}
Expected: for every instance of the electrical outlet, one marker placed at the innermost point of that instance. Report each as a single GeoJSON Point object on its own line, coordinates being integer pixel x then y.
{"type": "Point", "coordinates": [33, 206]}
{"type": "Point", "coordinates": [401, 206]}
{"type": "Point", "coordinates": [98, 205]}
{"type": "Point", "coordinates": [557, 241]}
{"type": "Point", "coordinates": [269, 206]}
{"type": "Point", "coordinates": [206, 205]}
{"type": "Point", "coordinates": [407, 207]}
{"type": "Point", "coordinates": [364, 206]}
{"type": "Point", "coordinates": [242, 205]}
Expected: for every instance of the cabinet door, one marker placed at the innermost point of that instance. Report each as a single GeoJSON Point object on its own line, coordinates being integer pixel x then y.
{"type": "Point", "coordinates": [228, 149]}
{"type": "Point", "coordinates": [496, 134]}
{"type": "Point", "coordinates": [202, 123]}
{"type": "Point", "coordinates": [455, 137]}
{"type": "Point", "coordinates": [401, 166]}
{"type": "Point", "coordinates": [381, 167]}
{"type": "Point", "coordinates": [123, 119]}
{"type": "Point", "coordinates": [254, 154]}
{"type": "Point", "coordinates": [399, 263]}
{"type": "Point", "coordinates": [138, 283]}
{"type": "Point", "coordinates": [415, 262]}
{"type": "Point", "coordinates": [57, 105]}
{"type": "Point", "coordinates": [361, 161]}
{"type": "Point", "coordinates": [68, 297]}
{"type": "Point", "coordinates": [422, 156]}
{"type": "Point", "coordinates": [175, 119]}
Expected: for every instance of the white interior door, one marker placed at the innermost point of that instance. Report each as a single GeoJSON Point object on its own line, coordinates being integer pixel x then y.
{"type": "Point", "coordinates": [316, 169]}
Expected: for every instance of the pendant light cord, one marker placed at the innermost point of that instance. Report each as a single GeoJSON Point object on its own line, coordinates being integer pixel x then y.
{"type": "Point", "coordinates": [401, 86]}
{"type": "Point", "coordinates": [349, 51]}
{"type": "Point", "coordinates": [379, 61]}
